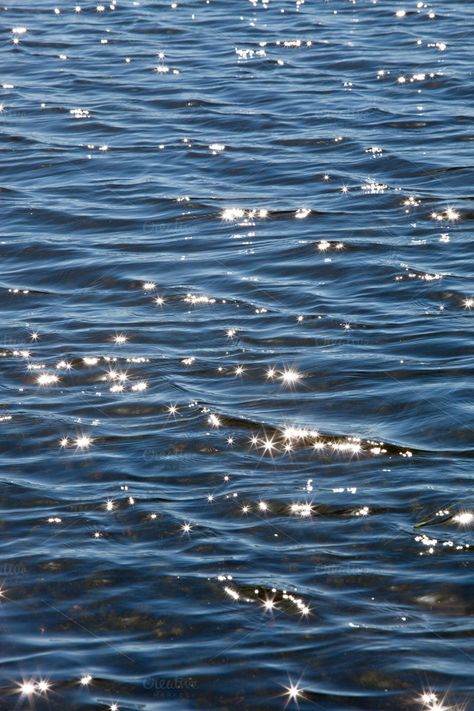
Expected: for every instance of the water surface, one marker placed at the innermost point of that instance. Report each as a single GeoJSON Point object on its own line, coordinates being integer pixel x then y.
{"type": "Point", "coordinates": [236, 340]}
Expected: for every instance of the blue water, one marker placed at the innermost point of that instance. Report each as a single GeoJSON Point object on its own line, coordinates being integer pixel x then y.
{"type": "Point", "coordinates": [236, 355]}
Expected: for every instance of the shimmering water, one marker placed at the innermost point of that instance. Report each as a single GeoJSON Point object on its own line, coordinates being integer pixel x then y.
{"type": "Point", "coordinates": [236, 406]}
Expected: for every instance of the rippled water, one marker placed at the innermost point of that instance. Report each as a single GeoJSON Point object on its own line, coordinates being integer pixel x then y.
{"type": "Point", "coordinates": [236, 407]}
